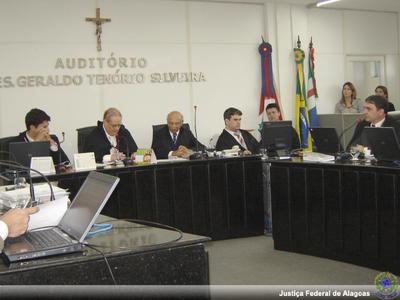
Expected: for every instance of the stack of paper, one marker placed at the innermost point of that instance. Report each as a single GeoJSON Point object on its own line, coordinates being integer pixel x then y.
{"type": "Point", "coordinates": [317, 157]}
{"type": "Point", "coordinates": [49, 213]}
{"type": "Point", "coordinates": [13, 198]}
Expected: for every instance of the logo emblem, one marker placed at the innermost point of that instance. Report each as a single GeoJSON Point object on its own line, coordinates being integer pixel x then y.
{"type": "Point", "coordinates": [386, 283]}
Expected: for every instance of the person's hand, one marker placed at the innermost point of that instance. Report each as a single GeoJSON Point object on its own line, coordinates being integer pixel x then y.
{"type": "Point", "coordinates": [44, 135]}
{"type": "Point", "coordinates": [246, 152]}
{"type": "Point", "coordinates": [358, 148]}
{"type": "Point", "coordinates": [17, 220]}
{"type": "Point", "coordinates": [182, 151]}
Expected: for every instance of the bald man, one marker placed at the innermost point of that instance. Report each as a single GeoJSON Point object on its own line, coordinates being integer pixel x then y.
{"type": "Point", "coordinates": [110, 137]}
{"type": "Point", "coordinates": [173, 139]}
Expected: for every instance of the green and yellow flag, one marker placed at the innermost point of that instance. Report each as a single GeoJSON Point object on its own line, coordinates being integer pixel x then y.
{"type": "Point", "coordinates": [302, 120]}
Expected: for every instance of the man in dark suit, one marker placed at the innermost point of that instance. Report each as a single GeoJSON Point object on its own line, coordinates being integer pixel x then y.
{"type": "Point", "coordinates": [375, 115]}
{"type": "Point", "coordinates": [37, 129]}
{"type": "Point", "coordinates": [274, 115]}
{"type": "Point", "coordinates": [110, 140]}
{"type": "Point", "coordinates": [232, 135]}
{"type": "Point", "coordinates": [174, 139]}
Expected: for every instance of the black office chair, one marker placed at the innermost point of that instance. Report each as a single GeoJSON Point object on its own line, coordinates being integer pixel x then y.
{"type": "Point", "coordinates": [82, 134]}
{"type": "Point", "coordinates": [5, 146]}
{"type": "Point", "coordinates": [158, 127]}
{"type": "Point", "coordinates": [395, 115]}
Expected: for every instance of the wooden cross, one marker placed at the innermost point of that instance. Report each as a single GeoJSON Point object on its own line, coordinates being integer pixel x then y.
{"type": "Point", "coordinates": [98, 21]}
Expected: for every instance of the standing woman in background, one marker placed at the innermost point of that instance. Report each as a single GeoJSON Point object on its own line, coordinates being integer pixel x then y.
{"type": "Point", "coordinates": [382, 91]}
{"type": "Point", "coordinates": [349, 102]}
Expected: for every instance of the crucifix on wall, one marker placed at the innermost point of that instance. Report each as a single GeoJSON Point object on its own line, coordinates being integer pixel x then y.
{"type": "Point", "coordinates": [98, 21]}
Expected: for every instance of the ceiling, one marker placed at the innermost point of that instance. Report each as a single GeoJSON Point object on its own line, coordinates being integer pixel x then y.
{"type": "Point", "coordinates": [372, 5]}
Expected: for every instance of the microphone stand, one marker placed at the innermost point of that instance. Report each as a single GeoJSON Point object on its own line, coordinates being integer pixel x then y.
{"type": "Point", "coordinates": [346, 130]}
{"type": "Point", "coordinates": [31, 189]}
{"type": "Point", "coordinates": [123, 138]}
{"type": "Point", "coordinates": [195, 127]}
{"type": "Point", "coordinates": [59, 149]}
{"type": "Point", "coordinates": [195, 155]}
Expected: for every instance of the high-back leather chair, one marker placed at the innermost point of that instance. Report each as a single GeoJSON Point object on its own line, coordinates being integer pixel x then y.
{"type": "Point", "coordinates": [82, 134]}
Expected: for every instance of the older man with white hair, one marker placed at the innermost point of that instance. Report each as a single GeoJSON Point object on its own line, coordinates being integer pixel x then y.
{"type": "Point", "coordinates": [110, 138]}
{"type": "Point", "coordinates": [174, 139]}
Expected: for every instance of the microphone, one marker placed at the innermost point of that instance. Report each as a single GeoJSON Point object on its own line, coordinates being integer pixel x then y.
{"type": "Point", "coordinates": [63, 137]}
{"type": "Point", "coordinates": [123, 138]}
{"type": "Point", "coordinates": [59, 148]}
{"type": "Point", "coordinates": [195, 155]}
{"type": "Point", "coordinates": [356, 122]}
{"type": "Point", "coordinates": [31, 189]}
{"type": "Point", "coordinates": [195, 128]}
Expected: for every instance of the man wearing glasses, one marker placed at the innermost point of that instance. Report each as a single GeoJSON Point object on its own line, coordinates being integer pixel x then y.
{"type": "Point", "coordinates": [110, 140]}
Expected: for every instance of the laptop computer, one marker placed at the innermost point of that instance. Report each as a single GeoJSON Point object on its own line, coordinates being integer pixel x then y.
{"type": "Point", "coordinates": [383, 142]}
{"type": "Point", "coordinates": [22, 152]}
{"type": "Point", "coordinates": [69, 234]}
{"type": "Point", "coordinates": [326, 140]}
{"type": "Point", "coordinates": [276, 137]}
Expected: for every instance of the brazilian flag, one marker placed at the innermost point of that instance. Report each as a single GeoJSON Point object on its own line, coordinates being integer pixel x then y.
{"type": "Point", "coordinates": [302, 120]}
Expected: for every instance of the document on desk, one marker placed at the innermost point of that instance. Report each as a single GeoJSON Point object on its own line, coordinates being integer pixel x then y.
{"type": "Point", "coordinates": [49, 214]}
{"type": "Point", "coordinates": [317, 157]}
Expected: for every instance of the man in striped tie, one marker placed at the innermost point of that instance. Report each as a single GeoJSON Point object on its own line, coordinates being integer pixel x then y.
{"type": "Point", "coordinates": [232, 135]}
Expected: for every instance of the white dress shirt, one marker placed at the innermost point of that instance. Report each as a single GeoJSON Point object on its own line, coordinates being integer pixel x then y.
{"type": "Point", "coordinates": [3, 230]}
{"type": "Point", "coordinates": [379, 124]}
{"type": "Point", "coordinates": [172, 138]}
{"type": "Point", "coordinates": [111, 138]}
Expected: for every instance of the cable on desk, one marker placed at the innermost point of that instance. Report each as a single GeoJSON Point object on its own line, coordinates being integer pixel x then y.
{"type": "Point", "coordinates": [94, 247]}
{"type": "Point", "coordinates": [98, 228]}
{"type": "Point", "coordinates": [148, 223]}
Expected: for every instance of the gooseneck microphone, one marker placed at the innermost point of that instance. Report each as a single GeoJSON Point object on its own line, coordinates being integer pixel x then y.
{"type": "Point", "coordinates": [195, 155]}
{"type": "Point", "coordinates": [63, 137]}
{"type": "Point", "coordinates": [356, 122]}
{"type": "Point", "coordinates": [123, 138]}
{"type": "Point", "coordinates": [31, 189]}
{"type": "Point", "coordinates": [60, 163]}
{"type": "Point", "coordinates": [195, 128]}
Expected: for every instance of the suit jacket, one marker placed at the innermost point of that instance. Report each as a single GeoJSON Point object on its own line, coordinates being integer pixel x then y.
{"type": "Point", "coordinates": [356, 139]}
{"type": "Point", "coordinates": [162, 142]}
{"type": "Point", "coordinates": [295, 139]}
{"type": "Point", "coordinates": [227, 141]}
{"type": "Point", "coordinates": [58, 156]}
{"type": "Point", "coordinates": [98, 142]}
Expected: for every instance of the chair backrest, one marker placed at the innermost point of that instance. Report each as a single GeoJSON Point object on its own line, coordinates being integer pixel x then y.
{"type": "Point", "coordinates": [82, 134]}
{"type": "Point", "coordinates": [159, 126]}
{"type": "Point", "coordinates": [5, 146]}
{"type": "Point", "coordinates": [395, 115]}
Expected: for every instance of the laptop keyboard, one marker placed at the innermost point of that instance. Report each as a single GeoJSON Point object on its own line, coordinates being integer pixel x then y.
{"type": "Point", "coordinates": [45, 238]}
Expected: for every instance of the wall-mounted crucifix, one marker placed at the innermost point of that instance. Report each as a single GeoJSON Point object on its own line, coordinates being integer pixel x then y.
{"type": "Point", "coordinates": [98, 21]}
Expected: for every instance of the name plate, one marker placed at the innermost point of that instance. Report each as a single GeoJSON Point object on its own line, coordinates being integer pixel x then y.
{"type": "Point", "coordinates": [43, 164]}
{"type": "Point", "coordinates": [84, 161]}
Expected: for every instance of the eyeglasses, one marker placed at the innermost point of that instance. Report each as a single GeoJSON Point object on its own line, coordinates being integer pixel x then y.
{"type": "Point", "coordinates": [113, 125]}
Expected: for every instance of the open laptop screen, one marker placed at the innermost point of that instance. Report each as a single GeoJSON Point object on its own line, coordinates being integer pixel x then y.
{"type": "Point", "coordinates": [22, 152]}
{"type": "Point", "coordinates": [277, 135]}
{"type": "Point", "coordinates": [383, 142]}
{"type": "Point", "coordinates": [326, 140]}
{"type": "Point", "coordinates": [87, 204]}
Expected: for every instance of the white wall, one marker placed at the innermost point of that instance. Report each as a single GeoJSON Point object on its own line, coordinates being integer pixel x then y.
{"type": "Point", "coordinates": [219, 39]}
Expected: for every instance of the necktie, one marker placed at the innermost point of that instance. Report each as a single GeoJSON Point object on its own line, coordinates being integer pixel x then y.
{"type": "Point", "coordinates": [174, 138]}
{"type": "Point", "coordinates": [240, 139]}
